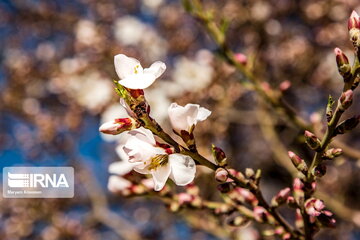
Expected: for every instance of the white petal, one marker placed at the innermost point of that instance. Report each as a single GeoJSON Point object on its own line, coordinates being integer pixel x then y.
{"type": "Point", "coordinates": [183, 169]}
{"type": "Point", "coordinates": [121, 167]}
{"type": "Point", "coordinates": [138, 81]}
{"type": "Point", "coordinates": [156, 69]}
{"type": "Point", "coordinates": [143, 134]}
{"type": "Point", "coordinates": [177, 117]}
{"type": "Point", "coordinates": [160, 175]}
{"type": "Point", "coordinates": [203, 114]}
{"type": "Point", "coordinates": [140, 151]}
{"type": "Point", "coordinates": [125, 65]}
{"type": "Point", "coordinates": [182, 118]}
{"type": "Point", "coordinates": [117, 183]}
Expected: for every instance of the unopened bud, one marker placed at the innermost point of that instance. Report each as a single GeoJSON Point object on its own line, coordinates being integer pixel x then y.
{"type": "Point", "coordinates": [221, 175]}
{"type": "Point", "coordinates": [299, 222]}
{"type": "Point", "coordinates": [347, 125]}
{"type": "Point", "coordinates": [281, 197]}
{"type": "Point", "coordinates": [354, 21]}
{"type": "Point", "coordinates": [298, 188]}
{"type": "Point", "coordinates": [346, 99]}
{"type": "Point", "coordinates": [237, 221]}
{"type": "Point", "coordinates": [219, 155]}
{"type": "Point", "coordinates": [314, 207]}
{"type": "Point", "coordinates": [249, 172]}
{"type": "Point", "coordinates": [354, 28]}
{"type": "Point", "coordinates": [285, 85]}
{"type": "Point", "coordinates": [312, 141]}
{"type": "Point", "coordinates": [329, 109]}
{"type": "Point", "coordinates": [298, 162]}
{"type": "Point", "coordinates": [241, 58]}
{"type": "Point", "coordinates": [332, 153]}
{"type": "Point", "coordinates": [260, 214]}
{"type": "Point", "coordinates": [342, 63]}
{"type": "Point", "coordinates": [244, 196]}
{"type": "Point", "coordinates": [118, 126]}
{"type": "Point", "coordinates": [184, 198]}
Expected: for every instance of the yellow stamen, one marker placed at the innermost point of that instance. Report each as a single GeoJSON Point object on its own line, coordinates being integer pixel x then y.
{"type": "Point", "coordinates": [136, 69]}
{"type": "Point", "coordinates": [158, 161]}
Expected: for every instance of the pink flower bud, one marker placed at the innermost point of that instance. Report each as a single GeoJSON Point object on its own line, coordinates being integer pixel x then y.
{"type": "Point", "coordinates": [299, 223]}
{"type": "Point", "coordinates": [241, 58]}
{"type": "Point", "coordinates": [221, 175]}
{"type": "Point", "coordinates": [354, 21]}
{"type": "Point", "coordinates": [298, 162]}
{"type": "Point", "coordinates": [312, 141]}
{"type": "Point", "coordinates": [285, 85]}
{"type": "Point", "coordinates": [281, 197]}
{"type": "Point", "coordinates": [184, 198]}
{"type": "Point", "coordinates": [118, 126]}
{"type": "Point", "coordinates": [332, 153]}
{"type": "Point", "coordinates": [298, 185]}
{"type": "Point", "coordinates": [314, 207]}
{"type": "Point", "coordinates": [342, 63]}
{"type": "Point", "coordinates": [346, 99]}
{"type": "Point", "coordinates": [260, 214]}
{"type": "Point", "coordinates": [298, 188]}
{"type": "Point", "coordinates": [243, 195]}
{"type": "Point", "coordinates": [219, 155]}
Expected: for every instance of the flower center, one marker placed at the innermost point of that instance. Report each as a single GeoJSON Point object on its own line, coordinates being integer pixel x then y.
{"type": "Point", "coordinates": [158, 161]}
{"type": "Point", "coordinates": [136, 71]}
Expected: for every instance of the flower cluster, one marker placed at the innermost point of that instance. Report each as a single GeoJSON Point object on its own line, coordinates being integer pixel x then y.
{"type": "Point", "coordinates": [138, 147]}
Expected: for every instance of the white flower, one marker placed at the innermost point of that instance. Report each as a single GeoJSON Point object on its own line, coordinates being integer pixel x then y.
{"type": "Point", "coordinates": [196, 74]}
{"type": "Point", "coordinates": [118, 184]}
{"type": "Point", "coordinates": [183, 118]}
{"type": "Point", "coordinates": [139, 148]}
{"type": "Point", "coordinates": [132, 74]}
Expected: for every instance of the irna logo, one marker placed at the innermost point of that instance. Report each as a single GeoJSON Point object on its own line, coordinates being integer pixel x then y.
{"type": "Point", "coordinates": [38, 182]}
{"type": "Point", "coordinates": [18, 180]}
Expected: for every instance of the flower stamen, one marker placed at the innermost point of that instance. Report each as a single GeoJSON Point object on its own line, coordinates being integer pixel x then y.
{"type": "Point", "coordinates": [158, 161]}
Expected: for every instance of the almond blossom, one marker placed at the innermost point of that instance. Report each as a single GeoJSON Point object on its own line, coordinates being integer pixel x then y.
{"type": "Point", "coordinates": [133, 75]}
{"type": "Point", "coordinates": [184, 118]}
{"type": "Point", "coordinates": [139, 148]}
{"type": "Point", "coordinates": [118, 126]}
{"type": "Point", "coordinates": [116, 182]}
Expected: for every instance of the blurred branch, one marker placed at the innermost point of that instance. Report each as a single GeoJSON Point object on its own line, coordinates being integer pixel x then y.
{"type": "Point", "coordinates": [101, 211]}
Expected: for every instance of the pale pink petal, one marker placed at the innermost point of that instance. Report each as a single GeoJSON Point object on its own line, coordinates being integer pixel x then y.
{"type": "Point", "coordinates": [156, 69]}
{"type": "Point", "coordinates": [183, 169]}
{"type": "Point", "coordinates": [160, 175]}
{"type": "Point", "coordinates": [116, 184]}
{"type": "Point", "coordinates": [121, 167]}
{"type": "Point", "coordinates": [125, 66]}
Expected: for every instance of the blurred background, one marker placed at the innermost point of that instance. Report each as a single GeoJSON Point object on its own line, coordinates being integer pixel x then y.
{"type": "Point", "coordinates": [56, 89]}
